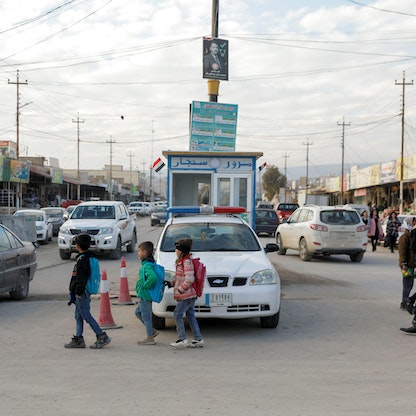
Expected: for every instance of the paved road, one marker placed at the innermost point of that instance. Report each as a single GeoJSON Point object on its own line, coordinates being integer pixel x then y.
{"type": "Point", "coordinates": [337, 350]}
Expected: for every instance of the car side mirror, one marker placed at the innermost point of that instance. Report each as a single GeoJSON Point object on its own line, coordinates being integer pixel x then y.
{"type": "Point", "coordinates": [271, 247]}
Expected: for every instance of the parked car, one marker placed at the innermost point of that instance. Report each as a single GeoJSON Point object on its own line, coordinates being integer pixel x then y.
{"type": "Point", "coordinates": [158, 216]}
{"type": "Point", "coordinates": [17, 264]}
{"type": "Point", "coordinates": [264, 204]}
{"type": "Point", "coordinates": [241, 281]}
{"type": "Point", "coordinates": [284, 210]}
{"type": "Point", "coordinates": [56, 217]}
{"type": "Point", "coordinates": [314, 230]}
{"type": "Point", "coordinates": [136, 207]}
{"type": "Point", "coordinates": [44, 228]}
{"type": "Point", "coordinates": [266, 221]}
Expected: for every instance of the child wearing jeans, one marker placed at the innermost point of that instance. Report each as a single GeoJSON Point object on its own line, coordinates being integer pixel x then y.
{"type": "Point", "coordinates": [80, 275]}
{"type": "Point", "coordinates": [147, 279]}
{"type": "Point", "coordinates": [185, 294]}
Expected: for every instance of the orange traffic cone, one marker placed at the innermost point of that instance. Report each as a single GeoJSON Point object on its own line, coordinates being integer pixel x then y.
{"type": "Point", "coordinates": [105, 320]}
{"type": "Point", "coordinates": [124, 297]}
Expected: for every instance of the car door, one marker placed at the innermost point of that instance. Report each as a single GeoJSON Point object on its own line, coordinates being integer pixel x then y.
{"type": "Point", "coordinates": [289, 236]}
{"type": "Point", "coordinates": [8, 258]}
{"type": "Point", "coordinates": [123, 222]}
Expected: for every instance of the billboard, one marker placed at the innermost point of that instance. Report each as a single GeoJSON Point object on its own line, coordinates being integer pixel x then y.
{"type": "Point", "coordinates": [215, 59]}
{"type": "Point", "coordinates": [213, 127]}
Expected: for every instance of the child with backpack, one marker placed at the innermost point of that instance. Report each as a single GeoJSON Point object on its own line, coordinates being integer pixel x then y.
{"type": "Point", "coordinates": [184, 292]}
{"type": "Point", "coordinates": [146, 281]}
{"type": "Point", "coordinates": [81, 276]}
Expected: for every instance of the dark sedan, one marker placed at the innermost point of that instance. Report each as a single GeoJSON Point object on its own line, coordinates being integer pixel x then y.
{"type": "Point", "coordinates": [17, 264]}
{"type": "Point", "coordinates": [158, 216]}
{"type": "Point", "coordinates": [266, 221]}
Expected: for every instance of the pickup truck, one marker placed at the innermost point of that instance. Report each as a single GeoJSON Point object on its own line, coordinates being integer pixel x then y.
{"type": "Point", "coordinates": [109, 224]}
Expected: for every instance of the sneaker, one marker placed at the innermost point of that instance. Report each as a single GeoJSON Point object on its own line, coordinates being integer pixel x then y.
{"type": "Point", "coordinates": [408, 305]}
{"type": "Point", "coordinates": [179, 344]}
{"type": "Point", "coordinates": [76, 342]}
{"type": "Point", "coordinates": [102, 341]}
{"type": "Point", "coordinates": [196, 343]}
{"type": "Point", "coordinates": [147, 341]}
{"type": "Point", "coordinates": [155, 333]}
{"type": "Point", "coordinates": [410, 330]}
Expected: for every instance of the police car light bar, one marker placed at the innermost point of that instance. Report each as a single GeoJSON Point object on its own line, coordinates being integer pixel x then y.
{"type": "Point", "coordinates": [206, 209]}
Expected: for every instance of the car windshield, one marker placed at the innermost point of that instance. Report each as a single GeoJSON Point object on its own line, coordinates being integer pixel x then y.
{"type": "Point", "coordinates": [160, 209]}
{"type": "Point", "coordinates": [211, 237]}
{"type": "Point", "coordinates": [89, 212]}
{"type": "Point", "coordinates": [55, 213]}
{"type": "Point", "coordinates": [340, 217]}
{"type": "Point", "coordinates": [37, 216]}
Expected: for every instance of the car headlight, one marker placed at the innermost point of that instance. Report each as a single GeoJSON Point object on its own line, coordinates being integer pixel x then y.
{"type": "Point", "coordinates": [64, 230]}
{"type": "Point", "coordinates": [263, 277]}
{"type": "Point", "coordinates": [39, 227]}
{"type": "Point", "coordinates": [107, 230]}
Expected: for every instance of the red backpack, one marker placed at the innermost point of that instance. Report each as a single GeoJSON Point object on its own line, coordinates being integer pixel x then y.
{"type": "Point", "coordinates": [200, 274]}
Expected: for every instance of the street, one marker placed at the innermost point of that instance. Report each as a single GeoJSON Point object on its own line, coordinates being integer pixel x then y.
{"type": "Point", "coordinates": [337, 350]}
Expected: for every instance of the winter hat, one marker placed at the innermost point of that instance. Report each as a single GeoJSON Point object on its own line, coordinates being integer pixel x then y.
{"type": "Point", "coordinates": [184, 245]}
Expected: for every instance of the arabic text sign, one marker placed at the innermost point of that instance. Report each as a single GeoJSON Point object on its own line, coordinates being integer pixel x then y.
{"type": "Point", "coordinates": [223, 164]}
{"type": "Point", "coordinates": [213, 127]}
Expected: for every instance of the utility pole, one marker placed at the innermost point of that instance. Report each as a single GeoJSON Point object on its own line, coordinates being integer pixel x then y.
{"type": "Point", "coordinates": [307, 144]}
{"type": "Point", "coordinates": [403, 84]}
{"type": "Point", "coordinates": [17, 83]}
{"type": "Point", "coordinates": [151, 167]}
{"type": "Point", "coordinates": [78, 121]}
{"type": "Point", "coordinates": [111, 141]}
{"type": "Point", "coordinates": [343, 124]}
{"type": "Point", "coordinates": [214, 84]}
{"type": "Point", "coordinates": [285, 157]}
{"type": "Point", "coordinates": [130, 155]}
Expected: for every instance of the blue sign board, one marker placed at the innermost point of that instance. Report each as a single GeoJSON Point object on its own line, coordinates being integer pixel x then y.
{"type": "Point", "coordinates": [213, 127]}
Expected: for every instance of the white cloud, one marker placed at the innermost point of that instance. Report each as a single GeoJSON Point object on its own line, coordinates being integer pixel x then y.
{"type": "Point", "coordinates": [295, 71]}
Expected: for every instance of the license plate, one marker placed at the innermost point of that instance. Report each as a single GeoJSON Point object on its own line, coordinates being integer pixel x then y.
{"type": "Point", "coordinates": [219, 299]}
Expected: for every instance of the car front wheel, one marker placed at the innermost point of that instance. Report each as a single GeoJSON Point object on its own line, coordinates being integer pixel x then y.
{"type": "Point", "coordinates": [158, 322]}
{"type": "Point", "coordinates": [65, 255]}
{"type": "Point", "coordinates": [270, 321]}
{"type": "Point", "coordinates": [303, 250]}
{"type": "Point", "coordinates": [116, 253]}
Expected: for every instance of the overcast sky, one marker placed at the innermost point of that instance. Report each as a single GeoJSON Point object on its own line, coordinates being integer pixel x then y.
{"type": "Point", "coordinates": [131, 69]}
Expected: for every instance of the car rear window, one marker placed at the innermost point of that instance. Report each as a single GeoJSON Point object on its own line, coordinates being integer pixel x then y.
{"type": "Point", "coordinates": [340, 217]}
{"type": "Point", "coordinates": [211, 237]}
{"type": "Point", "coordinates": [287, 207]}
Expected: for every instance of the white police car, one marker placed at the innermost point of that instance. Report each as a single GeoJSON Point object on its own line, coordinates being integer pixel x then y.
{"type": "Point", "coordinates": [241, 281]}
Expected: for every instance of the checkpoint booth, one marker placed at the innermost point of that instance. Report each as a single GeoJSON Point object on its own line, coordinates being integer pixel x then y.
{"type": "Point", "coordinates": [198, 178]}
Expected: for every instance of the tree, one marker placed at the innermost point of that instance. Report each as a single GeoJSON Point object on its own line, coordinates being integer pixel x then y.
{"type": "Point", "coordinates": [272, 181]}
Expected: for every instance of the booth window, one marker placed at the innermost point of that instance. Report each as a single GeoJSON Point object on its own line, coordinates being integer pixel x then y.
{"type": "Point", "coordinates": [224, 192]}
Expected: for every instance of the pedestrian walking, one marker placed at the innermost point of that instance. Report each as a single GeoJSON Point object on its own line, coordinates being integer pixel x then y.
{"type": "Point", "coordinates": [147, 279]}
{"type": "Point", "coordinates": [186, 296]}
{"type": "Point", "coordinates": [81, 297]}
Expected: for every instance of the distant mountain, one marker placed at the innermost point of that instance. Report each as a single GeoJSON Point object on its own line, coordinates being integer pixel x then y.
{"type": "Point", "coordinates": [296, 172]}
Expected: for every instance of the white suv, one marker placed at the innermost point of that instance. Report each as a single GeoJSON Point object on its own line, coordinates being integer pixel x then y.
{"type": "Point", "coordinates": [315, 230]}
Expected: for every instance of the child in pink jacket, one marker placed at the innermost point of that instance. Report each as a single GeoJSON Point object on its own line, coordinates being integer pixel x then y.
{"type": "Point", "coordinates": [185, 294]}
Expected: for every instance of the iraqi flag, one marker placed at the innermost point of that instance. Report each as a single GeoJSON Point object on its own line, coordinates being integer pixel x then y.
{"type": "Point", "coordinates": [158, 164]}
{"type": "Point", "coordinates": [262, 166]}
